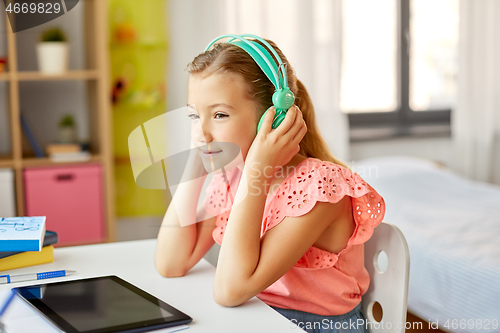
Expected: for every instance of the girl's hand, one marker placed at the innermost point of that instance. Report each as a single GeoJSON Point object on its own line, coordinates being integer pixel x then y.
{"type": "Point", "coordinates": [276, 147]}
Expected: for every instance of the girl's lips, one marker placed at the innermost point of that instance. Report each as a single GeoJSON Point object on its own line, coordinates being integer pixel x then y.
{"type": "Point", "coordinates": [209, 153]}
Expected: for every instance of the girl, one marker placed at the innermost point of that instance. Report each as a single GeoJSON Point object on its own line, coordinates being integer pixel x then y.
{"type": "Point", "coordinates": [295, 240]}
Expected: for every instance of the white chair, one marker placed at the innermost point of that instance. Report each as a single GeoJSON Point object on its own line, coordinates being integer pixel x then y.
{"type": "Point", "coordinates": [388, 279]}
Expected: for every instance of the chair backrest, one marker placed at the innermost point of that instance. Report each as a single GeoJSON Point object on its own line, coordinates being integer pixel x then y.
{"type": "Point", "coordinates": [388, 279]}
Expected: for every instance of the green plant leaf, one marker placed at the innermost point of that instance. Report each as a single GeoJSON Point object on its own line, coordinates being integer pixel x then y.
{"type": "Point", "coordinates": [67, 121]}
{"type": "Point", "coordinates": [53, 35]}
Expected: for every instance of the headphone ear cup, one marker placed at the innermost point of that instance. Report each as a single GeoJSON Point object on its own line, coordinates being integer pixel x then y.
{"type": "Point", "coordinates": [278, 119]}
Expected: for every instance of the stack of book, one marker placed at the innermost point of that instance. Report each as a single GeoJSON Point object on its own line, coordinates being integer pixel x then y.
{"type": "Point", "coordinates": [59, 152]}
{"type": "Point", "coordinates": [25, 242]}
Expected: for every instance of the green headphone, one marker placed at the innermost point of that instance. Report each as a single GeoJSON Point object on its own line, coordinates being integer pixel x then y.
{"type": "Point", "coordinates": [283, 97]}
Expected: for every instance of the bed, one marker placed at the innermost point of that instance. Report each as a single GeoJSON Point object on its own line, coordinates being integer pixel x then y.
{"type": "Point", "coordinates": [452, 226]}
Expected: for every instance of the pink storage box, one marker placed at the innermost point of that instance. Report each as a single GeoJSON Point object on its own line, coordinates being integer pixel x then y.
{"type": "Point", "coordinates": [72, 200]}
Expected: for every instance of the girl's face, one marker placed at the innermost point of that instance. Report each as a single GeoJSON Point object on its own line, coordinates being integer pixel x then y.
{"type": "Point", "coordinates": [221, 111]}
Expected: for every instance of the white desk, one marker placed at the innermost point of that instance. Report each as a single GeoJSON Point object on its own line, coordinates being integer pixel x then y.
{"type": "Point", "coordinates": [191, 294]}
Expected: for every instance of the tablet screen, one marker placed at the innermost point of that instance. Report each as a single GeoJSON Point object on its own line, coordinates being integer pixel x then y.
{"type": "Point", "coordinates": [99, 305]}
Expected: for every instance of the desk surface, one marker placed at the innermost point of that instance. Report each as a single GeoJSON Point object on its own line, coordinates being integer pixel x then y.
{"type": "Point", "coordinates": [192, 294]}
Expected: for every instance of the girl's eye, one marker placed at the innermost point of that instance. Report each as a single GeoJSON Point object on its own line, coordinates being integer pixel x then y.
{"type": "Point", "coordinates": [220, 115]}
{"type": "Point", "coordinates": [194, 116]}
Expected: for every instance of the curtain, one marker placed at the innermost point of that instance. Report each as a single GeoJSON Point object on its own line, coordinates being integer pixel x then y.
{"type": "Point", "coordinates": [307, 31]}
{"type": "Point", "coordinates": [476, 119]}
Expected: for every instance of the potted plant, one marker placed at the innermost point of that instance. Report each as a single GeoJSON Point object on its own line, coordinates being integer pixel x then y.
{"type": "Point", "coordinates": [67, 129]}
{"type": "Point", "coordinates": [53, 52]}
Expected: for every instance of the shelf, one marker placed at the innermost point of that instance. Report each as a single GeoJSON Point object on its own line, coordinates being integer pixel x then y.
{"type": "Point", "coordinates": [88, 26]}
{"type": "Point", "coordinates": [45, 161]}
{"type": "Point", "coordinates": [70, 75]}
{"type": "Point", "coordinates": [138, 45]}
{"type": "Point", "coordinates": [6, 161]}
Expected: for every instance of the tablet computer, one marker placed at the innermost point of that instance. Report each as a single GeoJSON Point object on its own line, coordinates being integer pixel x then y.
{"type": "Point", "coordinates": [101, 305]}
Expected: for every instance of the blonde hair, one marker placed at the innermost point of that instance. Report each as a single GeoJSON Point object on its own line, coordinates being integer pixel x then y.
{"type": "Point", "coordinates": [226, 57]}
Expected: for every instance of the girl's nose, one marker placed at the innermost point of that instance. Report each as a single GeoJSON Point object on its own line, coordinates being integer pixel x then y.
{"type": "Point", "coordinates": [201, 133]}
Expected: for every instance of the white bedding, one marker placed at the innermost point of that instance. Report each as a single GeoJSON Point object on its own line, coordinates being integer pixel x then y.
{"type": "Point", "coordinates": [452, 226]}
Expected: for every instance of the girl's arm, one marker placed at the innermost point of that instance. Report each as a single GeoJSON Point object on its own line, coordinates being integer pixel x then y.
{"type": "Point", "coordinates": [247, 265]}
{"type": "Point", "coordinates": [179, 247]}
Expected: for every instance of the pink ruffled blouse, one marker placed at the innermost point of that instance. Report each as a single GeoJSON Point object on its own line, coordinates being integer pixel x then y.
{"type": "Point", "coordinates": [321, 282]}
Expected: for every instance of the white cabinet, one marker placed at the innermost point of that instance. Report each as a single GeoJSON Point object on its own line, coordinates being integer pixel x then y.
{"type": "Point", "coordinates": [7, 203]}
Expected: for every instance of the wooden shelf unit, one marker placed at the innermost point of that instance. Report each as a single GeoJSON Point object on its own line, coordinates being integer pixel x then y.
{"type": "Point", "coordinates": [70, 75]}
{"type": "Point", "coordinates": [43, 162]}
{"type": "Point", "coordinates": [6, 162]}
{"type": "Point", "coordinates": [99, 108]}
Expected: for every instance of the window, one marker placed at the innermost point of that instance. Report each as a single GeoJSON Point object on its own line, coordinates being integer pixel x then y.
{"type": "Point", "coordinates": [399, 65]}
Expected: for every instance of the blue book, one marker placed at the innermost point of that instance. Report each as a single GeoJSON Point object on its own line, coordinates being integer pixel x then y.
{"type": "Point", "coordinates": [22, 233]}
{"type": "Point", "coordinates": [50, 238]}
{"type": "Point", "coordinates": [31, 138]}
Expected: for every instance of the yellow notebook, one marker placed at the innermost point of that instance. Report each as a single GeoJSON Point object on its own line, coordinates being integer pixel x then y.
{"type": "Point", "coordinates": [30, 258]}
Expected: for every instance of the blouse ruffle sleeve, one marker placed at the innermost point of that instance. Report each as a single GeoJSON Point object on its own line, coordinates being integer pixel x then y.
{"type": "Point", "coordinates": [323, 181]}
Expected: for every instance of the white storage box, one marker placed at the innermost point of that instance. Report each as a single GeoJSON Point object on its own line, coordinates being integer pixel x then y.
{"type": "Point", "coordinates": [7, 201]}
